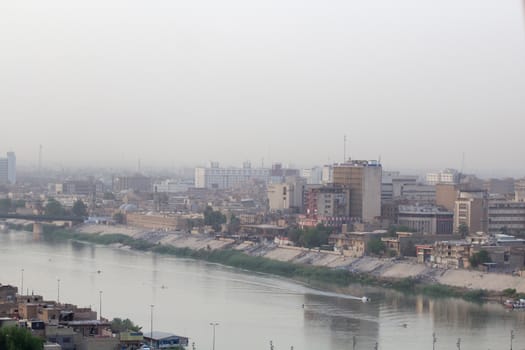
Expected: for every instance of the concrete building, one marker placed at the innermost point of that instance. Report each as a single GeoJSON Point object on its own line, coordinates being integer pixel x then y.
{"type": "Point", "coordinates": [451, 254]}
{"type": "Point", "coordinates": [313, 175]}
{"type": "Point", "coordinates": [215, 177]}
{"type": "Point", "coordinates": [419, 193]}
{"type": "Point", "coordinates": [286, 196]}
{"type": "Point", "coordinates": [446, 195]}
{"type": "Point", "coordinates": [11, 167]}
{"type": "Point", "coordinates": [138, 183]}
{"type": "Point", "coordinates": [499, 186]}
{"type": "Point", "coordinates": [448, 176]}
{"type": "Point", "coordinates": [363, 178]}
{"type": "Point", "coordinates": [427, 219]}
{"type": "Point", "coordinates": [4, 171]}
{"type": "Point", "coordinates": [506, 216]}
{"type": "Point", "coordinates": [172, 186]}
{"type": "Point", "coordinates": [354, 244]}
{"type": "Point", "coordinates": [471, 209]}
{"type": "Point", "coordinates": [392, 183]}
{"type": "Point", "coordinates": [327, 175]}
{"type": "Point", "coordinates": [519, 190]}
{"type": "Point", "coordinates": [328, 205]}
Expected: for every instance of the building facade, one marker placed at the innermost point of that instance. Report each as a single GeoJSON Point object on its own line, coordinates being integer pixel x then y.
{"type": "Point", "coordinates": [363, 178]}
{"type": "Point", "coordinates": [426, 219]}
{"type": "Point", "coordinates": [471, 210]}
{"type": "Point", "coordinates": [214, 177]}
{"type": "Point", "coordinates": [506, 216]}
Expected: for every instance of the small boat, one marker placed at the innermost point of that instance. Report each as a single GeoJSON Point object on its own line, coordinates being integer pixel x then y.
{"type": "Point", "coordinates": [514, 304]}
{"type": "Point", "coordinates": [365, 299]}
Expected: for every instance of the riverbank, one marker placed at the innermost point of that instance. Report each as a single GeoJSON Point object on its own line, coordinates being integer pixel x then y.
{"type": "Point", "coordinates": [320, 269]}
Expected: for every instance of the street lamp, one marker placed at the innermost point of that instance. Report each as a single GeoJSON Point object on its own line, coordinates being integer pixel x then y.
{"type": "Point", "coordinates": [151, 325]}
{"type": "Point", "coordinates": [100, 306]}
{"type": "Point", "coordinates": [511, 337]}
{"type": "Point", "coordinates": [434, 341]}
{"type": "Point", "coordinates": [58, 290]}
{"type": "Point", "coordinates": [213, 324]}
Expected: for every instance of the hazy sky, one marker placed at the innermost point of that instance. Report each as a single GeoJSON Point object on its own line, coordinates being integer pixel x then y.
{"type": "Point", "coordinates": [419, 82]}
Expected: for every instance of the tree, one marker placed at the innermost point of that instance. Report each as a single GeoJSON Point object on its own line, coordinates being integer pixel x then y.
{"type": "Point", "coordinates": [53, 208]}
{"type": "Point", "coordinates": [15, 338]}
{"type": "Point", "coordinates": [375, 246]}
{"type": "Point", "coordinates": [310, 237]}
{"type": "Point", "coordinates": [214, 218]}
{"type": "Point", "coordinates": [118, 217]}
{"type": "Point", "coordinates": [119, 325]}
{"type": "Point", "coordinates": [5, 205]}
{"type": "Point", "coordinates": [79, 209]}
{"type": "Point", "coordinates": [235, 224]}
{"type": "Point", "coordinates": [479, 258]}
{"type": "Point", "coordinates": [463, 230]}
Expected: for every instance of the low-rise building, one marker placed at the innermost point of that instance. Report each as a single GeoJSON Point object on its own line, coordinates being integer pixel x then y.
{"type": "Point", "coordinates": [354, 244]}
{"type": "Point", "coordinates": [452, 254]}
{"type": "Point", "coordinates": [428, 219]}
{"type": "Point", "coordinates": [164, 340]}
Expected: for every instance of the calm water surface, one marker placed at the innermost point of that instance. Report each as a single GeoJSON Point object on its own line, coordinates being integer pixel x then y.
{"type": "Point", "coordinates": [251, 308]}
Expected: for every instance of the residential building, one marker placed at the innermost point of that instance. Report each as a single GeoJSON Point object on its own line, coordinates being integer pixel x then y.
{"type": "Point", "coordinates": [354, 244]}
{"type": "Point", "coordinates": [172, 186]}
{"type": "Point", "coordinates": [427, 219]}
{"type": "Point", "coordinates": [328, 204]}
{"type": "Point", "coordinates": [418, 193]}
{"type": "Point", "coordinates": [471, 210]}
{"type": "Point", "coordinates": [215, 177]}
{"type": "Point", "coordinates": [452, 254]}
{"type": "Point", "coordinates": [287, 195]}
{"type": "Point", "coordinates": [313, 175]}
{"type": "Point", "coordinates": [363, 178]}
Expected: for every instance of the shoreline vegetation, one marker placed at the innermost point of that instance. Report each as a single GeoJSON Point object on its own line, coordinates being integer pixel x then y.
{"type": "Point", "coordinates": [316, 276]}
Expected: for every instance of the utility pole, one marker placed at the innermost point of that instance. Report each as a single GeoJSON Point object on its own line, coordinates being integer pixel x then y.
{"type": "Point", "coordinates": [511, 337]}
{"type": "Point", "coordinates": [434, 341]}
{"type": "Point", "coordinates": [151, 325]}
{"type": "Point", "coordinates": [22, 284]}
{"type": "Point", "coordinates": [458, 344]}
{"type": "Point", "coordinates": [354, 342]}
{"type": "Point", "coordinates": [100, 305]}
{"type": "Point", "coordinates": [58, 290]}
{"type": "Point", "coordinates": [213, 324]}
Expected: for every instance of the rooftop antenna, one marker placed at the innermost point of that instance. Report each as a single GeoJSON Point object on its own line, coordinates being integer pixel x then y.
{"type": "Point", "coordinates": [139, 166]}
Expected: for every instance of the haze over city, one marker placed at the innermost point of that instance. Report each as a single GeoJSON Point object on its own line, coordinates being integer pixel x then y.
{"type": "Point", "coordinates": [105, 83]}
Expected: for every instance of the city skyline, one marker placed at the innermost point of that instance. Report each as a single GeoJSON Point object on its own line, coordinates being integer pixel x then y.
{"type": "Point", "coordinates": [419, 85]}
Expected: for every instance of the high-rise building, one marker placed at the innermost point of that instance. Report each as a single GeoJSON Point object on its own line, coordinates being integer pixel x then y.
{"type": "Point", "coordinates": [471, 210]}
{"type": "Point", "coordinates": [11, 167]}
{"type": "Point", "coordinates": [363, 178]}
{"type": "Point", "coordinates": [215, 177]}
{"type": "Point", "coordinates": [4, 171]}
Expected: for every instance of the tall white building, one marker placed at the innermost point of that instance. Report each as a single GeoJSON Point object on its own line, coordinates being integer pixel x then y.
{"type": "Point", "coordinates": [220, 178]}
{"type": "Point", "coordinates": [11, 167]}
{"type": "Point", "coordinates": [447, 176]}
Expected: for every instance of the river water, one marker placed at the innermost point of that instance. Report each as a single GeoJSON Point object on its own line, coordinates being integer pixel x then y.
{"type": "Point", "coordinates": [251, 309]}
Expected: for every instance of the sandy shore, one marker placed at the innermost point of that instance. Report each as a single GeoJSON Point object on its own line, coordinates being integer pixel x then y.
{"type": "Point", "coordinates": [387, 268]}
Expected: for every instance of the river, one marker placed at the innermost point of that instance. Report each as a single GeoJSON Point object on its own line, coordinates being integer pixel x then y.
{"type": "Point", "coordinates": [251, 309]}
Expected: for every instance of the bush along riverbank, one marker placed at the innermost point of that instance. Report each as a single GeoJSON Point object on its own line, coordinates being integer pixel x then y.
{"type": "Point", "coordinates": [317, 276]}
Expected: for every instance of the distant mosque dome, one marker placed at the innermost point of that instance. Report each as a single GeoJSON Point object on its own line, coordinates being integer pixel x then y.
{"type": "Point", "coordinates": [128, 207]}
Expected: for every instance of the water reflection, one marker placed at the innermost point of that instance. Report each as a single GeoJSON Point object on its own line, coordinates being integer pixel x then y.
{"type": "Point", "coordinates": [252, 308]}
